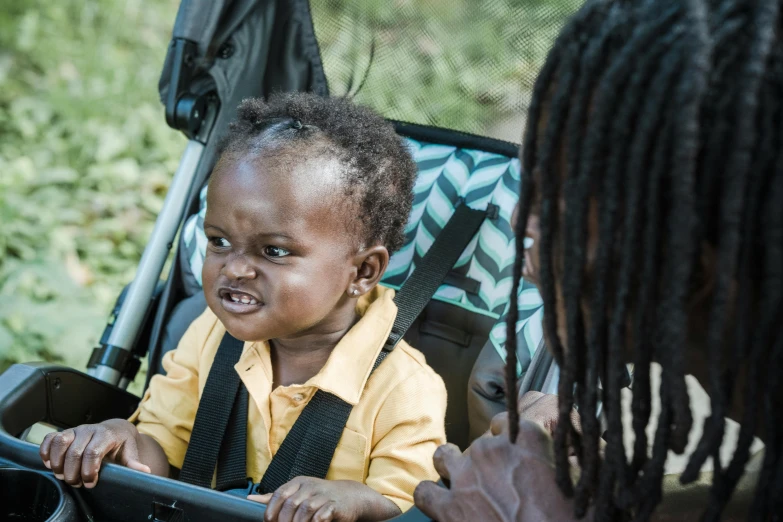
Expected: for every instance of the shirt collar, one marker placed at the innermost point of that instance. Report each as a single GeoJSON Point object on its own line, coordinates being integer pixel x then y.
{"type": "Point", "coordinates": [350, 363]}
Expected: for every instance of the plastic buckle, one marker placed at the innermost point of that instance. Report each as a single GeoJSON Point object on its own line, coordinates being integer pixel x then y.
{"type": "Point", "coordinates": [493, 211]}
{"type": "Point", "coordinates": [251, 488]}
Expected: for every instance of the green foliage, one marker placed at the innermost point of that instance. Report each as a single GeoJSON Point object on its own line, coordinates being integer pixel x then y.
{"type": "Point", "coordinates": [460, 64]}
{"type": "Point", "coordinates": [86, 156]}
{"type": "Point", "coordinates": [85, 160]}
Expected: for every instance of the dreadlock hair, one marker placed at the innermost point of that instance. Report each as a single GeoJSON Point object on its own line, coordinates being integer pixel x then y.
{"type": "Point", "coordinates": [662, 121]}
{"type": "Point", "coordinates": [378, 170]}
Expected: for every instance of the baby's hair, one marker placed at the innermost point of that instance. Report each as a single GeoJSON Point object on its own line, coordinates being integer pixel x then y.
{"type": "Point", "coordinates": [666, 115]}
{"type": "Point", "coordinates": [378, 170]}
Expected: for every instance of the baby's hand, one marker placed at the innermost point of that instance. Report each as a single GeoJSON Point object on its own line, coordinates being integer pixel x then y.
{"type": "Point", "coordinates": [307, 499]}
{"type": "Point", "coordinates": [75, 455]}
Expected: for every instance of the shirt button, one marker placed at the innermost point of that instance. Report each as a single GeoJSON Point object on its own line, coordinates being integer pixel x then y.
{"type": "Point", "coordinates": [299, 397]}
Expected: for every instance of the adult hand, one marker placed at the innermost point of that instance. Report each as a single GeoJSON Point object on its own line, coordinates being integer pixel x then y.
{"type": "Point", "coordinates": [543, 409]}
{"type": "Point", "coordinates": [496, 481]}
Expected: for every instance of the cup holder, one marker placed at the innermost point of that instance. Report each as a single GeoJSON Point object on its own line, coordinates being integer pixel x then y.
{"type": "Point", "coordinates": [30, 496]}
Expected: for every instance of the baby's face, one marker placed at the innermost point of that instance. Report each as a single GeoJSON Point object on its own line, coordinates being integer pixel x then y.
{"type": "Point", "coordinates": [280, 255]}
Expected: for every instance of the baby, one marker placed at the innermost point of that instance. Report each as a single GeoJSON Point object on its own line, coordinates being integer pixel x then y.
{"type": "Point", "coordinates": [307, 201]}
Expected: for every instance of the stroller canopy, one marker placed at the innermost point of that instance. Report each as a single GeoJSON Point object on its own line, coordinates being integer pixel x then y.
{"type": "Point", "coordinates": [462, 65]}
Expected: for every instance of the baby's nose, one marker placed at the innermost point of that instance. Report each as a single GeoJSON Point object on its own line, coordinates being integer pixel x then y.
{"type": "Point", "coordinates": [238, 267]}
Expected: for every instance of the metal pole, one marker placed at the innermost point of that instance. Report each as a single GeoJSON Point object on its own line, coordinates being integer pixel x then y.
{"type": "Point", "coordinates": [552, 380]}
{"type": "Point", "coordinates": [140, 291]}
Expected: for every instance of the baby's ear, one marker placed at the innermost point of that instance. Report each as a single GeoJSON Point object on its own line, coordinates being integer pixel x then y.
{"type": "Point", "coordinates": [371, 264]}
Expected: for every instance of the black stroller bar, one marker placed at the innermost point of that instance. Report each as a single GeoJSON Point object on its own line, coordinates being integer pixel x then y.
{"type": "Point", "coordinates": [65, 397]}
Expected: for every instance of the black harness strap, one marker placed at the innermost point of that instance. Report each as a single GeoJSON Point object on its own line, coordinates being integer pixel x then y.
{"type": "Point", "coordinates": [209, 427]}
{"type": "Point", "coordinates": [309, 447]}
{"type": "Point", "coordinates": [419, 288]}
{"type": "Point", "coordinates": [232, 460]}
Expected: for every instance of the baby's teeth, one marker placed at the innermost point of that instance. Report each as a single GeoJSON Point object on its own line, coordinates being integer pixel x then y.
{"type": "Point", "coordinates": [243, 299]}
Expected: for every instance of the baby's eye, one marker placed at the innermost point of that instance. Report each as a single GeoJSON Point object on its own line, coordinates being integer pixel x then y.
{"type": "Point", "coordinates": [273, 251]}
{"type": "Point", "coordinates": [219, 242]}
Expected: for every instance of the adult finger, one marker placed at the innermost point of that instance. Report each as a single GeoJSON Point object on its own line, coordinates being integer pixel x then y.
{"type": "Point", "coordinates": [534, 432]}
{"type": "Point", "coordinates": [72, 468]}
{"type": "Point", "coordinates": [445, 458]}
{"type": "Point", "coordinates": [261, 499]}
{"type": "Point", "coordinates": [326, 513]}
{"type": "Point", "coordinates": [58, 449]}
{"type": "Point", "coordinates": [432, 499]}
{"type": "Point", "coordinates": [535, 438]}
{"type": "Point", "coordinates": [541, 408]}
{"type": "Point", "coordinates": [499, 423]}
{"type": "Point", "coordinates": [278, 500]}
{"type": "Point", "coordinates": [309, 507]}
{"type": "Point", "coordinates": [528, 399]}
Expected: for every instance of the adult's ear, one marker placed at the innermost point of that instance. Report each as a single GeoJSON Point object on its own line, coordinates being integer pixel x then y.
{"type": "Point", "coordinates": [371, 264]}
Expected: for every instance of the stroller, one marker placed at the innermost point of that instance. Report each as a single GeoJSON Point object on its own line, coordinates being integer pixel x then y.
{"type": "Point", "coordinates": [453, 274]}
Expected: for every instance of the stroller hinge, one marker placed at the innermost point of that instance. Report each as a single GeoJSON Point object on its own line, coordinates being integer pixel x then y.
{"type": "Point", "coordinates": [185, 111]}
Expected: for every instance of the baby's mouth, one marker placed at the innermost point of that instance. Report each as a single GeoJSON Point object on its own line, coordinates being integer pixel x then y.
{"type": "Point", "coordinates": [238, 302]}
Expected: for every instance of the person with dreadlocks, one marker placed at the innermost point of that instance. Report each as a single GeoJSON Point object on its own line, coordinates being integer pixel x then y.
{"type": "Point", "coordinates": [653, 159]}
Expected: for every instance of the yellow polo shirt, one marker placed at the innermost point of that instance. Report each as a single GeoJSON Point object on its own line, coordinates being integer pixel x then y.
{"type": "Point", "coordinates": [392, 432]}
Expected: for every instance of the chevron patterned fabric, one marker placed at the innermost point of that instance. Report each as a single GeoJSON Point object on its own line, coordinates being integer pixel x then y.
{"type": "Point", "coordinates": [447, 176]}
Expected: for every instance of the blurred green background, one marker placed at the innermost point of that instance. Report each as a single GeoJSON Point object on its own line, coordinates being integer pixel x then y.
{"type": "Point", "coordinates": [86, 156]}
{"type": "Point", "coordinates": [85, 160]}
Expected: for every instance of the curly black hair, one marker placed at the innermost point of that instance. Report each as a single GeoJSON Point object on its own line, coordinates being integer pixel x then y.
{"type": "Point", "coordinates": [666, 115]}
{"type": "Point", "coordinates": [379, 171]}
